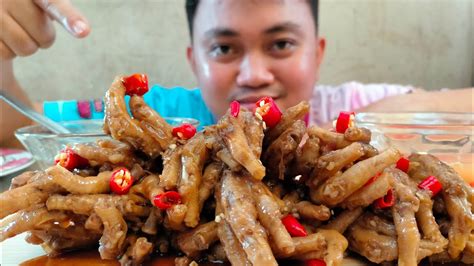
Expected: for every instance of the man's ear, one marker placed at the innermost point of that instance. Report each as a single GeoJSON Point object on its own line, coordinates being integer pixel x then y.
{"type": "Point", "coordinates": [320, 49]}
{"type": "Point", "coordinates": [321, 42]}
{"type": "Point", "coordinates": [191, 59]}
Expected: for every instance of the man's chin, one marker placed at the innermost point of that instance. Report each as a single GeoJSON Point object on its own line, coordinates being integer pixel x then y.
{"type": "Point", "coordinates": [282, 105]}
{"type": "Point", "coordinates": [248, 105]}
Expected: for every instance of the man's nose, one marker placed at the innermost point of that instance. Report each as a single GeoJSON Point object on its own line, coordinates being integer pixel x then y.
{"type": "Point", "coordinates": [254, 72]}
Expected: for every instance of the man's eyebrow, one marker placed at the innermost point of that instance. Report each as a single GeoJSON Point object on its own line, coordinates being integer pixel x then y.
{"type": "Point", "coordinates": [227, 32]}
{"type": "Point", "coordinates": [284, 27]}
{"type": "Point", "coordinates": [220, 32]}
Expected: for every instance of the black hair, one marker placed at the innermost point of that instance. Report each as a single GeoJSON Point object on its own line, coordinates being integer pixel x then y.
{"type": "Point", "coordinates": [192, 5]}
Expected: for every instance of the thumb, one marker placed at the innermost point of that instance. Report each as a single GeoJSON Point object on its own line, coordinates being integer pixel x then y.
{"type": "Point", "coordinates": [67, 15]}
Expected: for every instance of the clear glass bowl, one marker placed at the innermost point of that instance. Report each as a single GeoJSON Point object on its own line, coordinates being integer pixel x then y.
{"type": "Point", "coordinates": [44, 145]}
{"type": "Point", "coordinates": [449, 136]}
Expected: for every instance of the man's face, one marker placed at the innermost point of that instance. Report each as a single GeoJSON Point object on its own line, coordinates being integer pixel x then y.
{"type": "Point", "coordinates": [246, 49]}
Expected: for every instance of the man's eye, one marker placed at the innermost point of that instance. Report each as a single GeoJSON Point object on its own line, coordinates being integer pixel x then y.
{"type": "Point", "coordinates": [282, 45]}
{"type": "Point", "coordinates": [220, 50]}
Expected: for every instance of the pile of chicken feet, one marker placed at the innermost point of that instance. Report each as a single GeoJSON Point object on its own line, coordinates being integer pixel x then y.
{"type": "Point", "coordinates": [247, 193]}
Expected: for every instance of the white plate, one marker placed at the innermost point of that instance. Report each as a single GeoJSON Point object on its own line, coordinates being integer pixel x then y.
{"type": "Point", "coordinates": [12, 161]}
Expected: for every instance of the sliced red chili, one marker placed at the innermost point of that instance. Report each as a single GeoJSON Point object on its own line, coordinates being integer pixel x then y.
{"type": "Point", "coordinates": [234, 108]}
{"type": "Point", "coordinates": [306, 119]}
{"type": "Point", "coordinates": [70, 160]}
{"type": "Point", "coordinates": [136, 84]}
{"type": "Point", "coordinates": [185, 131]}
{"type": "Point", "coordinates": [315, 262]}
{"type": "Point", "coordinates": [403, 164]}
{"type": "Point", "coordinates": [167, 199]}
{"type": "Point", "coordinates": [121, 181]}
{"type": "Point", "coordinates": [344, 121]}
{"type": "Point", "coordinates": [268, 111]}
{"type": "Point", "coordinates": [386, 201]}
{"type": "Point", "coordinates": [372, 179]}
{"type": "Point", "coordinates": [293, 226]}
{"type": "Point", "coordinates": [431, 183]}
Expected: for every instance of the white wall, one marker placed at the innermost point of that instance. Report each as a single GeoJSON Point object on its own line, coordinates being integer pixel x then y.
{"type": "Point", "coordinates": [427, 43]}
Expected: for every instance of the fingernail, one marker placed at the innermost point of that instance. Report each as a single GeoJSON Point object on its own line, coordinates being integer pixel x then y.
{"type": "Point", "coordinates": [79, 27]}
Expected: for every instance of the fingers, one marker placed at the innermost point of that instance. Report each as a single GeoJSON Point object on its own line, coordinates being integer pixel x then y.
{"type": "Point", "coordinates": [66, 14]}
{"type": "Point", "coordinates": [25, 27]}
{"type": "Point", "coordinates": [34, 21]}
{"type": "Point", "coordinates": [5, 52]}
{"type": "Point", "coordinates": [16, 39]}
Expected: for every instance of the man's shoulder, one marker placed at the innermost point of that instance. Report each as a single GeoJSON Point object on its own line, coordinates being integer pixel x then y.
{"type": "Point", "coordinates": [159, 94]}
{"type": "Point", "coordinates": [179, 102]}
{"type": "Point", "coordinates": [158, 90]}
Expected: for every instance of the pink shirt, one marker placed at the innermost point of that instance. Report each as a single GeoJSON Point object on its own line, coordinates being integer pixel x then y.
{"type": "Point", "coordinates": [328, 101]}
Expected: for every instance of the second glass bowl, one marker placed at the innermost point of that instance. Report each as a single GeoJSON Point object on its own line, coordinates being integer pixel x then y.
{"type": "Point", "coordinates": [44, 145]}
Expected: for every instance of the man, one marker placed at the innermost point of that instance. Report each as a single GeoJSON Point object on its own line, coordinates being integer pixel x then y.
{"type": "Point", "coordinates": [240, 50]}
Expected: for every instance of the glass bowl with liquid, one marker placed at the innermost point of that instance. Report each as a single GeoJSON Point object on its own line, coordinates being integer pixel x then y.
{"type": "Point", "coordinates": [448, 136]}
{"type": "Point", "coordinates": [44, 145]}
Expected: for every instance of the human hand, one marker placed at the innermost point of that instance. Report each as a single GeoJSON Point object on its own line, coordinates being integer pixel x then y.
{"type": "Point", "coordinates": [26, 27]}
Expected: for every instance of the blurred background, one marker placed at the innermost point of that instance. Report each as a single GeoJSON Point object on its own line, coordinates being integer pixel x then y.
{"type": "Point", "coordinates": [425, 43]}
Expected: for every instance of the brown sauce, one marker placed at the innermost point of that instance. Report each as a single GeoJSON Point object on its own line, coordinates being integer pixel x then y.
{"type": "Point", "coordinates": [92, 258]}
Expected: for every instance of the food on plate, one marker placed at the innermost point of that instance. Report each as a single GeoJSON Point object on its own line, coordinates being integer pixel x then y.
{"type": "Point", "coordinates": [255, 188]}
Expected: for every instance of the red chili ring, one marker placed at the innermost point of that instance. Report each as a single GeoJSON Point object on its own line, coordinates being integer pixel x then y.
{"type": "Point", "coordinates": [269, 111]}
{"type": "Point", "coordinates": [70, 160]}
{"type": "Point", "coordinates": [372, 179]}
{"type": "Point", "coordinates": [167, 199]}
{"type": "Point", "coordinates": [386, 201]}
{"type": "Point", "coordinates": [315, 262]}
{"type": "Point", "coordinates": [293, 226]}
{"type": "Point", "coordinates": [185, 131]}
{"type": "Point", "coordinates": [403, 164]}
{"type": "Point", "coordinates": [344, 121]}
{"type": "Point", "coordinates": [136, 84]}
{"type": "Point", "coordinates": [234, 108]}
{"type": "Point", "coordinates": [121, 181]}
{"type": "Point", "coordinates": [432, 184]}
